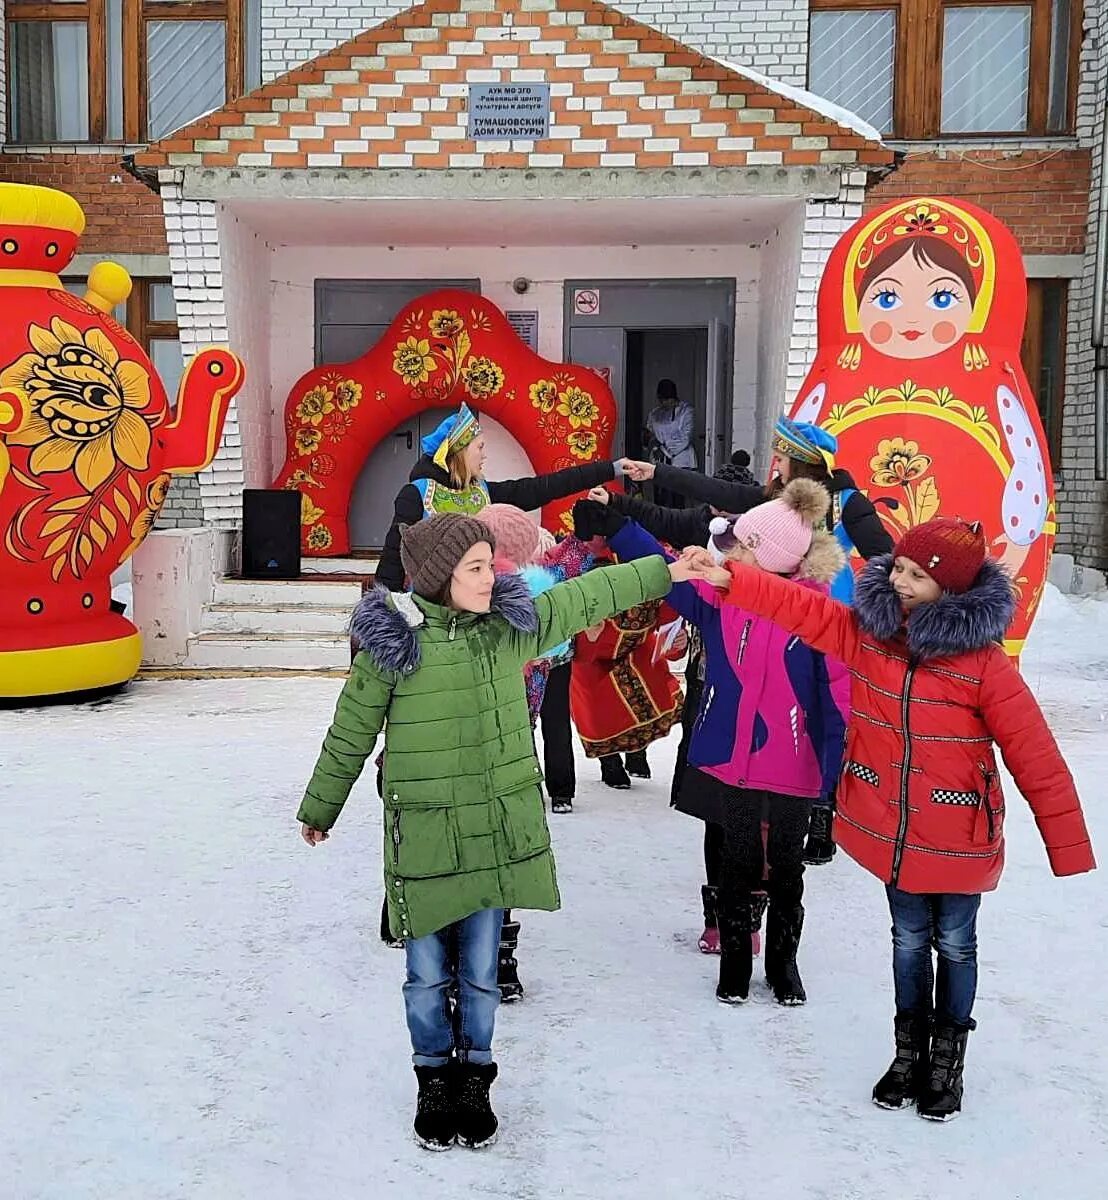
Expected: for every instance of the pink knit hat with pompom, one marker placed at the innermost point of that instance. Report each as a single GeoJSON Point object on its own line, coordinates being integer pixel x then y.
{"type": "Point", "coordinates": [779, 532]}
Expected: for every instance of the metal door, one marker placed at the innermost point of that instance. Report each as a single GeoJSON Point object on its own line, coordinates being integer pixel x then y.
{"type": "Point", "coordinates": [351, 317]}
{"type": "Point", "coordinates": [604, 347]}
{"type": "Point", "coordinates": [717, 407]}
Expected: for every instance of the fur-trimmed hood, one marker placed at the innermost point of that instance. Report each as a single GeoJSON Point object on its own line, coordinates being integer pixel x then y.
{"type": "Point", "coordinates": [384, 623]}
{"type": "Point", "coordinates": [953, 624]}
{"type": "Point", "coordinates": [824, 560]}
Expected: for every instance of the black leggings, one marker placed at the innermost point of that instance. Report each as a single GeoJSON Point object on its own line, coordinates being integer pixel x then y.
{"type": "Point", "coordinates": [557, 736]}
{"type": "Point", "coordinates": [713, 853]}
{"type": "Point", "coordinates": [746, 855]}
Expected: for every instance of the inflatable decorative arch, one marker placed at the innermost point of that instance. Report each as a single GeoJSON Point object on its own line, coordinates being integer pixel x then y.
{"type": "Point", "coordinates": [443, 348]}
{"type": "Point", "coordinates": [88, 445]}
{"type": "Point", "coordinates": [921, 313]}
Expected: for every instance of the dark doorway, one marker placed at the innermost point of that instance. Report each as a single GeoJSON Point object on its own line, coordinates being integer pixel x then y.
{"type": "Point", "coordinates": [654, 354]}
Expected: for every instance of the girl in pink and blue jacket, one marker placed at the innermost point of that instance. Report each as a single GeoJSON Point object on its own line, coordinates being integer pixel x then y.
{"type": "Point", "coordinates": [769, 734]}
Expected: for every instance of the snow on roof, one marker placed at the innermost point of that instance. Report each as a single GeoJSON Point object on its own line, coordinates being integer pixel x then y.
{"type": "Point", "coordinates": [835, 112]}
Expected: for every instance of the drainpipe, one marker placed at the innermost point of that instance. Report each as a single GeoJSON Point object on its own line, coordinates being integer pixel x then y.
{"type": "Point", "coordinates": [1100, 310]}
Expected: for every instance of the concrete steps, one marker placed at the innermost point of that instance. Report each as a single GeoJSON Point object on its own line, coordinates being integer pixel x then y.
{"type": "Point", "coordinates": [275, 626]}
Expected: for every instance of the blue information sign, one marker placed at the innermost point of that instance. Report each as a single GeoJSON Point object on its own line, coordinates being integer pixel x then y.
{"type": "Point", "coordinates": [509, 111]}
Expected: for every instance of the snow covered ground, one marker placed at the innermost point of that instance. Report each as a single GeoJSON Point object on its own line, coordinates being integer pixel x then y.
{"type": "Point", "coordinates": [196, 1003]}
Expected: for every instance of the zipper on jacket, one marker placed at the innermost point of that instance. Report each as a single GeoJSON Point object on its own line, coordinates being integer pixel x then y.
{"type": "Point", "coordinates": [453, 629]}
{"type": "Point", "coordinates": [990, 817]}
{"type": "Point", "coordinates": [396, 832]}
{"type": "Point", "coordinates": [742, 643]}
{"type": "Point", "coordinates": [905, 774]}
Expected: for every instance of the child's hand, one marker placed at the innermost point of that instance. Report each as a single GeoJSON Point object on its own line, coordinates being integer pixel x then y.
{"type": "Point", "coordinates": [599, 494]}
{"type": "Point", "coordinates": [640, 472]}
{"type": "Point", "coordinates": [703, 566]}
{"type": "Point", "coordinates": [312, 836]}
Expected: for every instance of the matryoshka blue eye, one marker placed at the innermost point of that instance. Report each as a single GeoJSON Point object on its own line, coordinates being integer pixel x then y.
{"type": "Point", "coordinates": [887, 300]}
{"type": "Point", "coordinates": [943, 299]}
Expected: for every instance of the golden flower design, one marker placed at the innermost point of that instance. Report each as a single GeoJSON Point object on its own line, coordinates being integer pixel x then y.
{"type": "Point", "coordinates": [871, 395]}
{"type": "Point", "coordinates": [921, 219]}
{"type": "Point", "coordinates": [445, 323]}
{"type": "Point", "coordinates": [300, 478]}
{"type": "Point", "coordinates": [582, 443]}
{"type": "Point", "coordinates": [320, 538]}
{"type": "Point", "coordinates": [323, 464]}
{"type": "Point", "coordinates": [412, 360]}
{"type": "Point", "coordinates": [347, 394]}
{"type": "Point", "coordinates": [158, 490]}
{"type": "Point", "coordinates": [482, 377]}
{"type": "Point", "coordinates": [309, 513]}
{"type": "Point", "coordinates": [315, 405]}
{"type": "Point", "coordinates": [897, 462]}
{"type": "Point", "coordinates": [144, 522]}
{"type": "Point", "coordinates": [578, 407]}
{"type": "Point", "coordinates": [544, 395]}
{"type": "Point", "coordinates": [85, 403]}
{"type": "Point", "coordinates": [307, 440]}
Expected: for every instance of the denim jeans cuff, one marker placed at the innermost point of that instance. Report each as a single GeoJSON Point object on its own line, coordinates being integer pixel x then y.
{"type": "Point", "coordinates": [479, 1058]}
{"type": "Point", "coordinates": [430, 1060]}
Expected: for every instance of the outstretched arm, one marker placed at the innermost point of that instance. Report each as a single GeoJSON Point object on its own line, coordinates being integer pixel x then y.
{"type": "Point", "coordinates": [727, 497]}
{"type": "Point", "coordinates": [542, 489]}
{"type": "Point", "coordinates": [632, 542]}
{"type": "Point", "coordinates": [679, 527]}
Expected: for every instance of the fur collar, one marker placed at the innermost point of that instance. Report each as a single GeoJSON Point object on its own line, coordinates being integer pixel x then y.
{"type": "Point", "coordinates": [384, 623]}
{"type": "Point", "coordinates": [953, 624]}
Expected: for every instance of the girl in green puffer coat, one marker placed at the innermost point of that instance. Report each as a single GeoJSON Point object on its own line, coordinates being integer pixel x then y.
{"type": "Point", "coordinates": [441, 669]}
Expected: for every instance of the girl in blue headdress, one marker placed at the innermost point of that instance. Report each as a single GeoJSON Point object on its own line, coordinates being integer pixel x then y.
{"type": "Point", "coordinates": [449, 478]}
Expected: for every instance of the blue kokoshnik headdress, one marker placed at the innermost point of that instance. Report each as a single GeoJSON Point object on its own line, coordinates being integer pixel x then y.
{"type": "Point", "coordinates": [804, 442]}
{"type": "Point", "coordinates": [454, 432]}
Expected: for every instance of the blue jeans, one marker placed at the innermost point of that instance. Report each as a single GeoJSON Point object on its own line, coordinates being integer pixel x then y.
{"type": "Point", "coordinates": [463, 954]}
{"type": "Point", "coordinates": [947, 922]}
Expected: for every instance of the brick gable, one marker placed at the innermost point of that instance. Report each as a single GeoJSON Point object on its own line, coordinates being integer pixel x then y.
{"type": "Point", "coordinates": [622, 95]}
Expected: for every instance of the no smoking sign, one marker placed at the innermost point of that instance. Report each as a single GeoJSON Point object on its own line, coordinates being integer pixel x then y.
{"type": "Point", "coordinates": [586, 302]}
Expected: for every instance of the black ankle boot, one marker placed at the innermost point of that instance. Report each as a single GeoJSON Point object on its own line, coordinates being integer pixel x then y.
{"type": "Point", "coordinates": [476, 1122]}
{"type": "Point", "coordinates": [941, 1100]}
{"type": "Point", "coordinates": [435, 1127]}
{"type": "Point", "coordinates": [819, 848]}
{"type": "Point", "coordinates": [906, 1079]}
{"type": "Point", "coordinates": [612, 772]}
{"type": "Point", "coordinates": [507, 968]}
{"type": "Point", "coordinates": [783, 926]}
{"type": "Point", "coordinates": [637, 765]}
{"type": "Point", "coordinates": [736, 963]}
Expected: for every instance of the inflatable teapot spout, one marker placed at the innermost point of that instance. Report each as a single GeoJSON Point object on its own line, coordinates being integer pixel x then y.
{"type": "Point", "coordinates": [203, 397]}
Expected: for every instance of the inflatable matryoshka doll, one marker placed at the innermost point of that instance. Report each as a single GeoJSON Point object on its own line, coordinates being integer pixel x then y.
{"type": "Point", "coordinates": [88, 446]}
{"type": "Point", "coordinates": [918, 374]}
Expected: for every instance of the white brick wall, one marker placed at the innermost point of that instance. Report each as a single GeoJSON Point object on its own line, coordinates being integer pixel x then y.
{"type": "Point", "coordinates": [196, 264]}
{"type": "Point", "coordinates": [1083, 503]}
{"type": "Point", "coordinates": [770, 35]}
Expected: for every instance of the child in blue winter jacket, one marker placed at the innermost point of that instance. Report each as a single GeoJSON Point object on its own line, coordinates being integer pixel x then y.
{"type": "Point", "coordinates": [769, 734]}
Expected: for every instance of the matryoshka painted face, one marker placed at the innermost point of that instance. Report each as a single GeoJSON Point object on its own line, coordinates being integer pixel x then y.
{"type": "Point", "coordinates": [914, 307]}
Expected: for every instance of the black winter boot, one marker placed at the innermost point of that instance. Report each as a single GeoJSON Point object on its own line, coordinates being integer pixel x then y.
{"type": "Point", "coordinates": [476, 1122]}
{"type": "Point", "coordinates": [783, 926]}
{"type": "Point", "coordinates": [507, 969]}
{"type": "Point", "coordinates": [906, 1079]}
{"type": "Point", "coordinates": [942, 1098]}
{"type": "Point", "coordinates": [435, 1127]}
{"type": "Point", "coordinates": [612, 772]}
{"type": "Point", "coordinates": [636, 763]}
{"type": "Point", "coordinates": [819, 848]}
{"type": "Point", "coordinates": [736, 920]}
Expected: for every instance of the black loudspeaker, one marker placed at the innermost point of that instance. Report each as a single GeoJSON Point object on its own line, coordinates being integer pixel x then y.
{"type": "Point", "coordinates": [270, 534]}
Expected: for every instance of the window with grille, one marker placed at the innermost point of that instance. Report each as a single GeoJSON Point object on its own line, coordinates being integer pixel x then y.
{"type": "Point", "coordinates": [925, 69]}
{"type": "Point", "coordinates": [125, 70]}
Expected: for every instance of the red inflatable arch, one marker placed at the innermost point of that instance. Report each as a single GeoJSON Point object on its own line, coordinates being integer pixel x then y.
{"type": "Point", "coordinates": [443, 348]}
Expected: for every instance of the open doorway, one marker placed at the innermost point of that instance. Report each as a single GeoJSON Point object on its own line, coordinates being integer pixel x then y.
{"type": "Point", "coordinates": [680, 355]}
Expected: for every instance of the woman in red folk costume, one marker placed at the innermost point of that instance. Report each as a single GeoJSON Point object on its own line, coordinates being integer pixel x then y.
{"type": "Point", "coordinates": [918, 376]}
{"type": "Point", "coordinates": [623, 696]}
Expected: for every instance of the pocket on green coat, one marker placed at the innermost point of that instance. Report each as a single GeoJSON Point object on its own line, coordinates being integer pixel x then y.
{"type": "Point", "coordinates": [424, 842]}
{"type": "Point", "coordinates": [524, 823]}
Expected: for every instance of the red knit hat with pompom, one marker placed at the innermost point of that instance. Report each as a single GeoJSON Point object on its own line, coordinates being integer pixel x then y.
{"type": "Point", "coordinates": [950, 550]}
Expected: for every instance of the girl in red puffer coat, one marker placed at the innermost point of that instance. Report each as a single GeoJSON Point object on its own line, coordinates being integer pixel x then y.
{"type": "Point", "coordinates": [920, 801]}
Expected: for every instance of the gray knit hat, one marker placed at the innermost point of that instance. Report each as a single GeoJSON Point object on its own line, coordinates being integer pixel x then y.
{"type": "Point", "coordinates": [432, 549]}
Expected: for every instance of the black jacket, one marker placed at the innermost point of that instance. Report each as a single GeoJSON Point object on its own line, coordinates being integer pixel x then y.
{"type": "Point", "coordinates": [527, 494]}
{"type": "Point", "coordinates": [680, 527]}
{"type": "Point", "coordinates": [859, 517]}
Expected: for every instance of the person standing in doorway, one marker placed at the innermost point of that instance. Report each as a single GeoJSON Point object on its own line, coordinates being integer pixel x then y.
{"type": "Point", "coordinates": [669, 434]}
